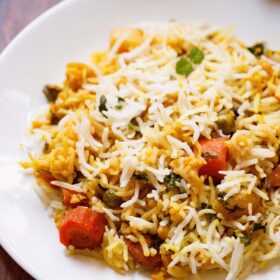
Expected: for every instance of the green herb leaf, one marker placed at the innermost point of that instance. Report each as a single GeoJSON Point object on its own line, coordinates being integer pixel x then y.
{"type": "Point", "coordinates": [139, 176]}
{"type": "Point", "coordinates": [119, 107]}
{"type": "Point", "coordinates": [156, 242]}
{"type": "Point", "coordinates": [204, 205]}
{"type": "Point", "coordinates": [172, 180]}
{"type": "Point", "coordinates": [246, 238]}
{"type": "Point", "coordinates": [79, 177]}
{"type": "Point", "coordinates": [220, 196]}
{"type": "Point", "coordinates": [184, 67]}
{"type": "Point", "coordinates": [120, 99]}
{"type": "Point", "coordinates": [257, 49]}
{"type": "Point", "coordinates": [134, 121]}
{"type": "Point", "coordinates": [101, 190]}
{"type": "Point", "coordinates": [133, 124]}
{"type": "Point", "coordinates": [259, 226]}
{"type": "Point", "coordinates": [210, 217]}
{"type": "Point", "coordinates": [196, 55]}
{"type": "Point", "coordinates": [102, 105]}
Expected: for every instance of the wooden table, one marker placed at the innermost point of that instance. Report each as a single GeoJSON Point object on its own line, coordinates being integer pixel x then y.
{"type": "Point", "coordinates": [14, 15]}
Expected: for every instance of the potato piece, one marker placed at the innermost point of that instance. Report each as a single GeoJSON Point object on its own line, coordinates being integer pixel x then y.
{"type": "Point", "coordinates": [134, 39]}
{"type": "Point", "coordinates": [237, 205]}
{"type": "Point", "coordinates": [242, 200]}
{"type": "Point", "coordinates": [77, 74]}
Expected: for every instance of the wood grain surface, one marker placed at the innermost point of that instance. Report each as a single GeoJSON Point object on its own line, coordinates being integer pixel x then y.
{"type": "Point", "coordinates": [14, 16]}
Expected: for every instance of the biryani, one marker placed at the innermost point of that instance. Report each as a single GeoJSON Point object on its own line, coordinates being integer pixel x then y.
{"type": "Point", "coordinates": [162, 152]}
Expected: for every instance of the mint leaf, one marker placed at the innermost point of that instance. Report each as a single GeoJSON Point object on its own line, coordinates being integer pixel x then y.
{"type": "Point", "coordinates": [184, 67]}
{"type": "Point", "coordinates": [196, 55]}
{"type": "Point", "coordinates": [102, 104]}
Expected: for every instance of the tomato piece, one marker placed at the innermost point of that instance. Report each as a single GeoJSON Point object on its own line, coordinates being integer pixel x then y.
{"type": "Point", "coordinates": [136, 252]}
{"type": "Point", "coordinates": [48, 179]}
{"type": "Point", "coordinates": [82, 228]}
{"type": "Point", "coordinates": [273, 178]}
{"type": "Point", "coordinates": [215, 152]}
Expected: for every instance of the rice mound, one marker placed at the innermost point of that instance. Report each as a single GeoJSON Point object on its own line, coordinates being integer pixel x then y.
{"type": "Point", "coordinates": [126, 122]}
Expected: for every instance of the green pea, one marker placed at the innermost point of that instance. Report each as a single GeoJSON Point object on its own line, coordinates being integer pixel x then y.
{"type": "Point", "coordinates": [111, 199]}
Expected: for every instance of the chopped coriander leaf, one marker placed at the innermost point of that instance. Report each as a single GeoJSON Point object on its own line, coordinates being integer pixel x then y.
{"type": "Point", "coordinates": [246, 238]}
{"type": "Point", "coordinates": [134, 121]}
{"type": "Point", "coordinates": [119, 107]}
{"type": "Point", "coordinates": [210, 217]}
{"type": "Point", "coordinates": [220, 196]}
{"type": "Point", "coordinates": [133, 124]}
{"type": "Point", "coordinates": [120, 99]}
{"type": "Point", "coordinates": [102, 104]}
{"type": "Point", "coordinates": [139, 175]}
{"type": "Point", "coordinates": [79, 177]}
{"type": "Point", "coordinates": [259, 226]}
{"type": "Point", "coordinates": [101, 190]}
{"type": "Point", "coordinates": [257, 49]}
{"type": "Point", "coordinates": [172, 180]}
{"type": "Point", "coordinates": [156, 241]}
{"type": "Point", "coordinates": [203, 205]}
{"type": "Point", "coordinates": [196, 55]}
{"type": "Point", "coordinates": [184, 67]}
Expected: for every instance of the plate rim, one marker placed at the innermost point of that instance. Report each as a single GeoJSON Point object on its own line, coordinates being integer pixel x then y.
{"type": "Point", "coordinates": [9, 248]}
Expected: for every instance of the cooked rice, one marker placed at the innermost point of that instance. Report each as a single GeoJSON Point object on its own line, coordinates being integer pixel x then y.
{"type": "Point", "coordinates": [151, 125]}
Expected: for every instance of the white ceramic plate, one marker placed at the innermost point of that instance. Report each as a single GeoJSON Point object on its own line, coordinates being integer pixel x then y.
{"type": "Point", "coordinates": [71, 31]}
